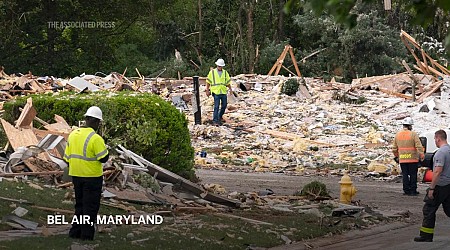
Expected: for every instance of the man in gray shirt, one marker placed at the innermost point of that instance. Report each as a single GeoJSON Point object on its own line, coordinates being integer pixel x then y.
{"type": "Point", "coordinates": [439, 191]}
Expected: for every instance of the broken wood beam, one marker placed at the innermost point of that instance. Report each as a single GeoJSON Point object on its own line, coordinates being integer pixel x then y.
{"type": "Point", "coordinates": [50, 209]}
{"type": "Point", "coordinates": [424, 95]}
{"type": "Point", "coordinates": [59, 172]}
{"type": "Point", "coordinates": [394, 93]}
{"type": "Point", "coordinates": [168, 176]}
{"type": "Point", "coordinates": [15, 200]}
{"type": "Point", "coordinates": [376, 79]}
{"type": "Point", "coordinates": [37, 119]}
{"type": "Point", "coordinates": [27, 115]}
{"type": "Point", "coordinates": [257, 222]}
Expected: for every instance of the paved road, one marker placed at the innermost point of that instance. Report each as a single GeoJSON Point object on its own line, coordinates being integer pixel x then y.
{"type": "Point", "coordinates": [397, 236]}
{"type": "Point", "coordinates": [386, 196]}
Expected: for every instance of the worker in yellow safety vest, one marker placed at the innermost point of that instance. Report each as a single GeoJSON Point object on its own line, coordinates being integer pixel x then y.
{"type": "Point", "coordinates": [85, 152]}
{"type": "Point", "coordinates": [408, 150]}
{"type": "Point", "coordinates": [216, 83]}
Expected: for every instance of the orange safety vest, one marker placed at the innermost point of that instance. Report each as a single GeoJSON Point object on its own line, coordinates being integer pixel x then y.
{"type": "Point", "coordinates": [407, 147]}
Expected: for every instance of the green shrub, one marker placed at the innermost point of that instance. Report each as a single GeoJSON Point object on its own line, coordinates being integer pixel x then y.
{"type": "Point", "coordinates": [143, 123]}
{"type": "Point", "coordinates": [290, 87]}
{"type": "Point", "coordinates": [315, 190]}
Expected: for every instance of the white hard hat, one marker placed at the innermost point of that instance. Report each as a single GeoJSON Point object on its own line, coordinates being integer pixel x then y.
{"type": "Point", "coordinates": [408, 121]}
{"type": "Point", "coordinates": [220, 62]}
{"type": "Point", "coordinates": [95, 112]}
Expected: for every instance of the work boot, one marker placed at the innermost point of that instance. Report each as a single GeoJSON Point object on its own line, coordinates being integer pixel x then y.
{"type": "Point", "coordinates": [423, 239]}
{"type": "Point", "coordinates": [414, 193]}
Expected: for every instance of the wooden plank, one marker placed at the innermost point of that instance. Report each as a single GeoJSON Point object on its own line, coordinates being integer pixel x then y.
{"type": "Point", "coordinates": [418, 62]}
{"type": "Point", "coordinates": [415, 81]}
{"type": "Point", "coordinates": [42, 133]}
{"type": "Point", "coordinates": [377, 79]}
{"type": "Point", "coordinates": [277, 64]}
{"type": "Point", "coordinates": [424, 58]}
{"type": "Point", "coordinates": [60, 125]}
{"type": "Point", "coordinates": [31, 173]}
{"type": "Point", "coordinates": [257, 222]}
{"type": "Point", "coordinates": [394, 93]}
{"type": "Point", "coordinates": [166, 175]}
{"type": "Point", "coordinates": [406, 36]}
{"type": "Point", "coordinates": [35, 85]}
{"type": "Point", "coordinates": [37, 119]}
{"type": "Point", "coordinates": [434, 62]}
{"type": "Point", "coordinates": [436, 86]}
{"type": "Point", "coordinates": [280, 62]}
{"type": "Point", "coordinates": [57, 210]}
{"type": "Point", "coordinates": [26, 117]}
{"type": "Point", "coordinates": [294, 61]}
{"type": "Point", "coordinates": [17, 201]}
{"type": "Point", "coordinates": [18, 138]}
{"type": "Point", "coordinates": [302, 88]}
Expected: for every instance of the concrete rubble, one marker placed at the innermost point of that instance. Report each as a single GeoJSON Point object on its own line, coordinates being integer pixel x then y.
{"type": "Point", "coordinates": [269, 132]}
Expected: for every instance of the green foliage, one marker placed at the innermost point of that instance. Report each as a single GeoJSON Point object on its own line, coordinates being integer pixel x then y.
{"type": "Point", "coordinates": [371, 48]}
{"type": "Point", "coordinates": [423, 12]}
{"type": "Point", "coordinates": [143, 123]}
{"type": "Point", "coordinates": [147, 181]}
{"type": "Point", "coordinates": [269, 56]}
{"type": "Point", "coordinates": [290, 87]}
{"type": "Point", "coordinates": [248, 34]}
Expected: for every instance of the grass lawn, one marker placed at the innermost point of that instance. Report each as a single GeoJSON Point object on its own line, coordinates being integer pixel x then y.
{"type": "Point", "coordinates": [178, 231]}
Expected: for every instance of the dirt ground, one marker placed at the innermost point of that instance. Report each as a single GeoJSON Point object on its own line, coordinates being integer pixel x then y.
{"type": "Point", "coordinates": [382, 195]}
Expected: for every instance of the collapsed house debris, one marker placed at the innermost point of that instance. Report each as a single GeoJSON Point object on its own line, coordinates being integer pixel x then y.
{"type": "Point", "coordinates": [325, 129]}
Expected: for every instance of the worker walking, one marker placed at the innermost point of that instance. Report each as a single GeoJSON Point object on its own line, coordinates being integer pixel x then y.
{"type": "Point", "coordinates": [409, 150]}
{"type": "Point", "coordinates": [85, 152]}
{"type": "Point", "coordinates": [216, 83]}
{"type": "Point", "coordinates": [439, 191]}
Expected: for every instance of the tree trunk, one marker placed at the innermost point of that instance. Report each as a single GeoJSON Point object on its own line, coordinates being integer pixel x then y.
{"type": "Point", "coordinates": [240, 44]}
{"type": "Point", "coordinates": [200, 33]}
{"type": "Point", "coordinates": [49, 11]}
{"type": "Point", "coordinates": [280, 31]}
{"type": "Point", "coordinates": [251, 46]}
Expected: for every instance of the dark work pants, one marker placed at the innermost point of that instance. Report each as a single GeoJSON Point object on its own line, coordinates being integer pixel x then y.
{"type": "Point", "coordinates": [441, 196]}
{"type": "Point", "coordinates": [88, 192]}
{"type": "Point", "coordinates": [218, 112]}
{"type": "Point", "coordinates": [409, 173]}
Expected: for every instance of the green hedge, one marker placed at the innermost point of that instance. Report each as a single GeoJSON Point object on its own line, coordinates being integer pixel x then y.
{"type": "Point", "coordinates": [143, 123]}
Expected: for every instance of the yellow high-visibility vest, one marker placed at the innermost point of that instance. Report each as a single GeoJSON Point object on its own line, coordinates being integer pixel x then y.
{"type": "Point", "coordinates": [218, 85]}
{"type": "Point", "coordinates": [83, 151]}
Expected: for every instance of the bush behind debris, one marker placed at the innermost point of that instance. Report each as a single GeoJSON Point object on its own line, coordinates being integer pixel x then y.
{"type": "Point", "coordinates": [314, 190]}
{"type": "Point", "coordinates": [290, 87]}
{"type": "Point", "coordinates": [143, 123]}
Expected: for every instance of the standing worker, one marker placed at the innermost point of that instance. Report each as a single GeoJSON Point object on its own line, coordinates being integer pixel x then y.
{"type": "Point", "coordinates": [409, 150]}
{"type": "Point", "coordinates": [85, 152]}
{"type": "Point", "coordinates": [439, 191]}
{"type": "Point", "coordinates": [216, 83]}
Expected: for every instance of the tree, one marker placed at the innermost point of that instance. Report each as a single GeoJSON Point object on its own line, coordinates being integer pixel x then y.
{"type": "Point", "coordinates": [424, 12]}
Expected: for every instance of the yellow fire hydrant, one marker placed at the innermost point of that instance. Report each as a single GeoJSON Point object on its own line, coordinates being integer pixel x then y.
{"type": "Point", "coordinates": [347, 189]}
